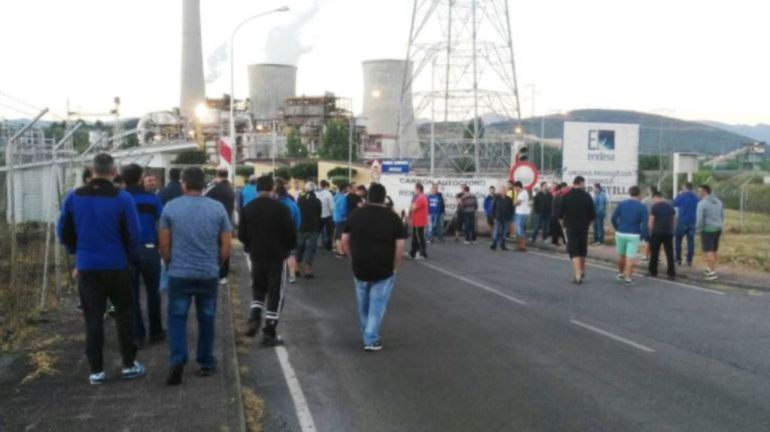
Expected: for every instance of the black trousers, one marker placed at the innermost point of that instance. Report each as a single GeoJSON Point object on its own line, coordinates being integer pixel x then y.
{"type": "Point", "coordinates": [667, 240]}
{"type": "Point", "coordinates": [145, 266]}
{"type": "Point", "coordinates": [556, 231]}
{"type": "Point", "coordinates": [327, 232]}
{"type": "Point", "coordinates": [418, 242]}
{"type": "Point", "coordinates": [268, 280]}
{"type": "Point", "coordinates": [95, 287]}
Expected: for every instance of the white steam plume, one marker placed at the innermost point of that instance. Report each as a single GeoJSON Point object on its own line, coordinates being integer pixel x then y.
{"type": "Point", "coordinates": [283, 43]}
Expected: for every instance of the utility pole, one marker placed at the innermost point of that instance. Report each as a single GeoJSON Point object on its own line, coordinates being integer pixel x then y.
{"type": "Point", "coordinates": [476, 163]}
{"type": "Point", "coordinates": [433, 117]}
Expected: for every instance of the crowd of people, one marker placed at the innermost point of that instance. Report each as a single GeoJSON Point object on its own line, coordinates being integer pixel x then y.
{"type": "Point", "coordinates": [126, 233]}
{"type": "Point", "coordinates": [568, 214]}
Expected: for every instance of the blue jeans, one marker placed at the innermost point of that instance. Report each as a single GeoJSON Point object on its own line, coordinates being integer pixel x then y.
{"type": "Point", "coordinates": [542, 222]}
{"type": "Point", "coordinates": [599, 228]}
{"type": "Point", "coordinates": [145, 266]}
{"type": "Point", "coordinates": [683, 230]}
{"type": "Point", "coordinates": [498, 233]}
{"type": "Point", "coordinates": [469, 223]}
{"type": "Point", "coordinates": [307, 245]}
{"type": "Point", "coordinates": [436, 227]}
{"type": "Point", "coordinates": [521, 225]}
{"type": "Point", "coordinates": [372, 303]}
{"type": "Point", "coordinates": [180, 296]}
{"type": "Point", "coordinates": [163, 277]}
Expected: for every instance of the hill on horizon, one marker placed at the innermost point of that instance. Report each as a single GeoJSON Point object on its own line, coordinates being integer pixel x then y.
{"type": "Point", "coordinates": [677, 135]}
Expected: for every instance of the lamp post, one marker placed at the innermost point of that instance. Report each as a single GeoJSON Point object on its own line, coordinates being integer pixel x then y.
{"type": "Point", "coordinates": [351, 131]}
{"type": "Point", "coordinates": [233, 139]}
{"type": "Point", "coordinates": [542, 137]}
{"type": "Point", "coordinates": [350, 145]}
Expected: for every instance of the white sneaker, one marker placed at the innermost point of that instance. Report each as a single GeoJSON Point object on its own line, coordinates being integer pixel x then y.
{"type": "Point", "coordinates": [419, 257]}
{"type": "Point", "coordinates": [223, 281]}
{"type": "Point", "coordinates": [97, 378]}
{"type": "Point", "coordinates": [621, 276]}
{"type": "Point", "coordinates": [466, 242]}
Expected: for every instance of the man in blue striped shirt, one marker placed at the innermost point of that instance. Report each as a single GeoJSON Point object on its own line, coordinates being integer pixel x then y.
{"type": "Point", "coordinates": [145, 259]}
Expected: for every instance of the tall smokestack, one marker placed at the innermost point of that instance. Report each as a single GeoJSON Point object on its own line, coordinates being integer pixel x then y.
{"type": "Point", "coordinates": [193, 86]}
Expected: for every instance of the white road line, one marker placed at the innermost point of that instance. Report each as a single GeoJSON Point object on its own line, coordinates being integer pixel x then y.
{"type": "Point", "coordinates": [614, 270]}
{"type": "Point", "coordinates": [613, 336]}
{"type": "Point", "coordinates": [304, 415]}
{"type": "Point", "coordinates": [301, 407]}
{"type": "Point", "coordinates": [561, 258]}
{"type": "Point", "coordinates": [474, 283]}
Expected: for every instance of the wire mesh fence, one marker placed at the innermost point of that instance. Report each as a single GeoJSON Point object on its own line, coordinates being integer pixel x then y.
{"type": "Point", "coordinates": [34, 268]}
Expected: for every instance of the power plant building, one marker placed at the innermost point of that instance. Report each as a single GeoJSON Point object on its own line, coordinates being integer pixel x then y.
{"type": "Point", "coordinates": [309, 114]}
{"type": "Point", "coordinates": [386, 112]}
{"type": "Point", "coordinates": [269, 87]}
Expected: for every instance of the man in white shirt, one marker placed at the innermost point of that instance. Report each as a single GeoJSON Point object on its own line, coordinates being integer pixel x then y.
{"type": "Point", "coordinates": [523, 205]}
{"type": "Point", "coordinates": [327, 210]}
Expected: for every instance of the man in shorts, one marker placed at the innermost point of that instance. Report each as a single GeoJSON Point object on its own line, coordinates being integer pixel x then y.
{"type": "Point", "coordinates": [576, 213]}
{"type": "Point", "coordinates": [630, 222]}
{"type": "Point", "coordinates": [710, 221]}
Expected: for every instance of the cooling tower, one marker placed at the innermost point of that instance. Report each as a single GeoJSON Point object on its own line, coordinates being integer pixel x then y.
{"type": "Point", "coordinates": [269, 86]}
{"type": "Point", "coordinates": [383, 81]}
{"type": "Point", "coordinates": [193, 86]}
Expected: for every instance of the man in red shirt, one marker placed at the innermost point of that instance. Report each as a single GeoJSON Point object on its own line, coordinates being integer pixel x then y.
{"type": "Point", "coordinates": [419, 220]}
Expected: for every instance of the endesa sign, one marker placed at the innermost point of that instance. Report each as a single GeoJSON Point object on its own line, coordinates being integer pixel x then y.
{"type": "Point", "coordinates": [606, 153]}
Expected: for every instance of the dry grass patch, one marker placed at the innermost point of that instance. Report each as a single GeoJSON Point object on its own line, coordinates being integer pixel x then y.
{"type": "Point", "coordinates": [254, 409]}
{"type": "Point", "coordinates": [43, 364]}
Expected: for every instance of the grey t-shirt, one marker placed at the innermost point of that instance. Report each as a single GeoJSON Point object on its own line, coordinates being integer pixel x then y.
{"type": "Point", "coordinates": [195, 223]}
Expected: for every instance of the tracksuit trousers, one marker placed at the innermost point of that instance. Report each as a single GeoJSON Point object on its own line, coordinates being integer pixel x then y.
{"type": "Point", "coordinates": [268, 287]}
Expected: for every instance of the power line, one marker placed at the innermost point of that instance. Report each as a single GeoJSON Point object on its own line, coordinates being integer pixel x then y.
{"type": "Point", "coordinates": [29, 105]}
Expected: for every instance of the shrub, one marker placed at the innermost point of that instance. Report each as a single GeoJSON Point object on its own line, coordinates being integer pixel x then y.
{"type": "Point", "coordinates": [340, 172]}
{"type": "Point", "coordinates": [304, 171]}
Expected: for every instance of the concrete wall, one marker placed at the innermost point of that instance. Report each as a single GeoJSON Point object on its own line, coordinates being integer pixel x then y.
{"type": "Point", "coordinates": [363, 174]}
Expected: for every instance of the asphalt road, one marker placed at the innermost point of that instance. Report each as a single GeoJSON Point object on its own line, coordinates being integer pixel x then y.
{"type": "Point", "coordinates": [477, 340]}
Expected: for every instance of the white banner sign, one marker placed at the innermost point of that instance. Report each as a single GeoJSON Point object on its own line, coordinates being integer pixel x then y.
{"type": "Point", "coordinates": [401, 189]}
{"type": "Point", "coordinates": [605, 153]}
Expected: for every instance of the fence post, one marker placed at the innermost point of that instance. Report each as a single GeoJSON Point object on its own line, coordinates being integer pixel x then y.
{"type": "Point", "coordinates": [9, 162]}
{"type": "Point", "coordinates": [53, 195]}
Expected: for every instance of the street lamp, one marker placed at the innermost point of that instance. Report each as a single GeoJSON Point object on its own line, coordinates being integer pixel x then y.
{"type": "Point", "coordinates": [351, 130]}
{"type": "Point", "coordinates": [233, 140]}
{"type": "Point", "coordinates": [542, 136]}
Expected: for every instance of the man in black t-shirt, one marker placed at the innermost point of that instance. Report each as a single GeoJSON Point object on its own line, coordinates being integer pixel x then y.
{"type": "Point", "coordinates": [374, 239]}
{"type": "Point", "coordinates": [662, 222]}
{"type": "Point", "coordinates": [576, 213]}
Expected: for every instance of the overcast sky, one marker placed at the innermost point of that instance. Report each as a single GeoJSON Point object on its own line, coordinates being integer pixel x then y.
{"type": "Point", "coordinates": [698, 59]}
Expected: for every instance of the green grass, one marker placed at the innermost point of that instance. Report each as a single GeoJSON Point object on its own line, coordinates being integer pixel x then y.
{"type": "Point", "coordinates": [743, 245]}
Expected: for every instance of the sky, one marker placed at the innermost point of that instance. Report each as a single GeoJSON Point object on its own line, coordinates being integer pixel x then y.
{"type": "Point", "coordinates": [692, 59]}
